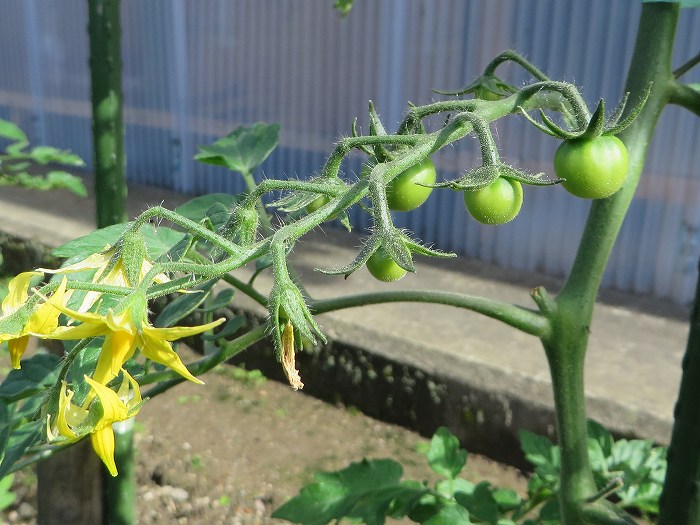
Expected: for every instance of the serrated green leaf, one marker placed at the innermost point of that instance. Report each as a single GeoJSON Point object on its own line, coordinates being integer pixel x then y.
{"type": "Point", "coordinates": [222, 300]}
{"type": "Point", "coordinates": [47, 154]}
{"type": "Point", "coordinates": [450, 515]}
{"type": "Point", "coordinates": [230, 328]}
{"type": "Point", "coordinates": [94, 242]}
{"type": "Point", "coordinates": [20, 440]}
{"type": "Point", "coordinates": [480, 503]}
{"type": "Point", "coordinates": [183, 305]}
{"type": "Point", "coordinates": [11, 131]}
{"type": "Point", "coordinates": [445, 455]}
{"type": "Point", "coordinates": [37, 372]}
{"type": "Point", "coordinates": [68, 181]}
{"type": "Point", "coordinates": [601, 435]}
{"type": "Point", "coordinates": [538, 450]}
{"type": "Point", "coordinates": [361, 488]}
{"type": "Point", "coordinates": [507, 499]}
{"type": "Point", "coordinates": [243, 149]}
{"type": "Point", "coordinates": [218, 214]}
{"type": "Point", "coordinates": [158, 241]}
{"type": "Point", "coordinates": [196, 209]}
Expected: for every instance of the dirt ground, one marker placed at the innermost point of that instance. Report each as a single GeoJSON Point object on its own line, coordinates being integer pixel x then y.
{"type": "Point", "coordinates": [233, 450]}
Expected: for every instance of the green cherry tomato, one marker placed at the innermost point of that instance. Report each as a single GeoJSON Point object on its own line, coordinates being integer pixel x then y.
{"type": "Point", "coordinates": [317, 203]}
{"type": "Point", "coordinates": [483, 93]}
{"type": "Point", "coordinates": [497, 203]}
{"type": "Point", "coordinates": [383, 267]}
{"type": "Point", "coordinates": [593, 168]}
{"type": "Point", "coordinates": [404, 193]}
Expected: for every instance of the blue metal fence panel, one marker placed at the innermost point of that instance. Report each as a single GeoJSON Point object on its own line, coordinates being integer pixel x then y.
{"type": "Point", "coordinates": [193, 71]}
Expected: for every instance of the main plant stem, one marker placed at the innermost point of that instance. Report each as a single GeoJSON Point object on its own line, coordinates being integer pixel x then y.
{"type": "Point", "coordinates": [566, 348]}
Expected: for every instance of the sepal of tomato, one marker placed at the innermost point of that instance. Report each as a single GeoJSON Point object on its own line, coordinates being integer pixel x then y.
{"type": "Point", "coordinates": [408, 190]}
{"type": "Point", "coordinates": [497, 203]}
{"type": "Point", "coordinates": [592, 168]}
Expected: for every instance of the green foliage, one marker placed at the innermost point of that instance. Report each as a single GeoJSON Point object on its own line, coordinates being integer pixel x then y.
{"type": "Point", "coordinates": [243, 149]}
{"type": "Point", "coordinates": [637, 463]}
{"type": "Point", "coordinates": [373, 490]}
{"type": "Point", "coordinates": [17, 163]}
{"type": "Point", "coordinates": [158, 241]}
{"type": "Point", "coordinates": [7, 497]}
{"type": "Point", "coordinates": [344, 6]}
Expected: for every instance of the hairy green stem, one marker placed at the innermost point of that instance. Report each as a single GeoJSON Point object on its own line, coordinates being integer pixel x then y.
{"type": "Point", "coordinates": [566, 347]}
{"type": "Point", "coordinates": [512, 56]}
{"type": "Point", "coordinates": [528, 321]}
{"type": "Point", "coordinates": [684, 96]}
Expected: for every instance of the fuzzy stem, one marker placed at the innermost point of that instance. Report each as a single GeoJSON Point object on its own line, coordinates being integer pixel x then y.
{"type": "Point", "coordinates": [566, 347]}
{"type": "Point", "coordinates": [523, 319]}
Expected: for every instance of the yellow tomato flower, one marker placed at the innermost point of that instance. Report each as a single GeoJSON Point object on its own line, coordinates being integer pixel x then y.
{"type": "Point", "coordinates": [43, 319]}
{"type": "Point", "coordinates": [73, 421]}
{"type": "Point", "coordinates": [110, 270]}
{"type": "Point", "coordinates": [123, 336]}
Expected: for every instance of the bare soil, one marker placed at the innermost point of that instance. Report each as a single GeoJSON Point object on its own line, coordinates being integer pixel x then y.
{"type": "Point", "coordinates": [233, 450]}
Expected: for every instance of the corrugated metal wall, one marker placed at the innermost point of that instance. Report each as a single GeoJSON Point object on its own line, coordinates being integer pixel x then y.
{"type": "Point", "coordinates": [193, 71]}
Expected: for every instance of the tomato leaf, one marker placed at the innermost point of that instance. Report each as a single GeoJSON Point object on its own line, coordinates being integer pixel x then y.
{"type": "Point", "coordinates": [11, 131]}
{"type": "Point", "coordinates": [37, 373]}
{"type": "Point", "coordinates": [197, 208]}
{"type": "Point", "coordinates": [158, 241]}
{"type": "Point", "coordinates": [445, 456]}
{"type": "Point", "coordinates": [363, 491]}
{"type": "Point", "coordinates": [243, 149]}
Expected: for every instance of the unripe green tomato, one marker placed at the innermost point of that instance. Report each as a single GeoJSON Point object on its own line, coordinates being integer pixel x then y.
{"type": "Point", "coordinates": [315, 204]}
{"type": "Point", "coordinates": [404, 193]}
{"type": "Point", "coordinates": [383, 267]}
{"type": "Point", "coordinates": [593, 168]}
{"type": "Point", "coordinates": [485, 94]}
{"type": "Point", "coordinates": [497, 203]}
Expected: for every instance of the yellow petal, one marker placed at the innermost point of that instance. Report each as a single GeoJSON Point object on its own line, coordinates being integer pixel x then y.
{"type": "Point", "coordinates": [160, 351]}
{"type": "Point", "coordinates": [121, 321]}
{"type": "Point", "coordinates": [113, 408]}
{"type": "Point", "coordinates": [44, 319]}
{"type": "Point", "coordinates": [17, 293]}
{"type": "Point", "coordinates": [96, 260]}
{"type": "Point", "coordinates": [128, 385]}
{"type": "Point", "coordinates": [17, 348]}
{"type": "Point", "coordinates": [117, 349]}
{"type": "Point", "coordinates": [103, 445]}
{"type": "Point", "coordinates": [177, 332]}
{"type": "Point", "coordinates": [64, 406]}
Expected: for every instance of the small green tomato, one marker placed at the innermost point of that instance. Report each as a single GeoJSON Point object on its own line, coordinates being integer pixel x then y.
{"type": "Point", "coordinates": [405, 193]}
{"type": "Point", "coordinates": [383, 267]}
{"type": "Point", "coordinates": [592, 168]}
{"type": "Point", "coordinates": [497, 203]}
{"type": "Point", "coordinates": [315, 204]}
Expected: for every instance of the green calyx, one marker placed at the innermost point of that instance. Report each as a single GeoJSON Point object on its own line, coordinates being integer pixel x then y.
{"type": "Point", "coordinates": [487, 87]}
{"type": "Point", "coordinates": [594, 127]}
